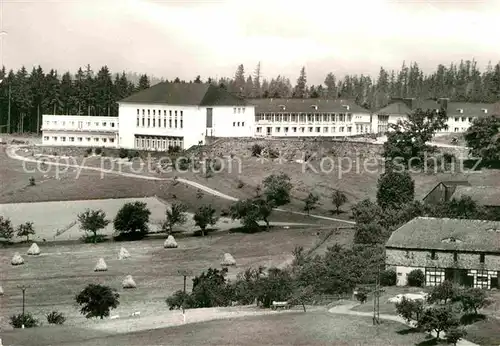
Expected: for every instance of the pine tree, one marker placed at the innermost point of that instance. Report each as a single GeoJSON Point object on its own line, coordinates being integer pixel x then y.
{"type": "Point", "coordinates": [331, 87]}
{"type": "Point", "coordinates": [238, 86]}
{"type": "Point", "coordinates": [300, 88]}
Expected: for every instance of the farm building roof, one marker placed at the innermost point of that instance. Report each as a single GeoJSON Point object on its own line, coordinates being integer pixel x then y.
{"type": "Point", "coordinates": [306, 106]}
{"type": "Point", "coordinates": [485, 195]}
{"type": "Point", "coordinates": [189, 94]}
{"type": "Point", "coordinates": [447, 234]}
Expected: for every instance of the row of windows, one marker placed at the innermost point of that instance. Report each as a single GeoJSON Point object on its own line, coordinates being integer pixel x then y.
{"type": "Point", "coordinates": [303, 129]}
{"type": "Point", "coordinates": [302, 117]}
{"type": "Point", "coordinates": [238, 110]}
{"type": "Point", "coordinates": [157, 122]}
{"type": "Point", "coordinates": [79, 139]}
{"type": "Point", "coordinates": [436, 276]}
{"type": "Point", "coordinates": [239, 123]}
{"type": "Point", "coordinates": [158, 142]}
{"type": "Point", "coordinates": [463, 119]}
{"type": "Point", "coordinates": [81, 124]}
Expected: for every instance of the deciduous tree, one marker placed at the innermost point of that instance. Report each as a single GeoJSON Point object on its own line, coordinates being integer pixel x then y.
{"type": "Point", "coordinates": [97, 300]}
{"type": "Point", "coordinates": [93, 221]}
{"type": "Point", "coordinates": [204, 216]}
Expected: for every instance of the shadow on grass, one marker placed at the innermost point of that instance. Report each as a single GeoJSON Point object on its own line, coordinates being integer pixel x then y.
{"type": "Point", "coordinates": [430, 341]}
{"type": "Point", "coordinates": [468, 319]}
{"type": "Point", "coordinates": [408, 331]}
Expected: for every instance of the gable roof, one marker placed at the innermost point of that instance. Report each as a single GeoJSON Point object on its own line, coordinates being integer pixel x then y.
{"type": "Point", "coordinates": [274, 105]}
{"type": "Point", "coordinates": [485, 195]}
{"type": "Point", "coordinates": [189, 94]}
{"type": "Point", "coordinates": [438, 233]}
{"type": "Point", "coordinates": [447, 184]}
{"type": "Point", "coordinates": [469, 109]}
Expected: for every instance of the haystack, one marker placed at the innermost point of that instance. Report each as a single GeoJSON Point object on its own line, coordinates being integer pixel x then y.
{"type": "Point", "coordinates": [228, 260]}
{"type": "Point", "coordinates": [17, 259]}
{"type": "Point", "coordinates": [170, 243]}
{"type": "Point", "coordinates": [123, 253]}
{"type": "Point", "coordinates": [101, 266]}
{"type": "Point", "coordinates": [34, 250]}
{"type": "Point", "coordinates": [129, 282]}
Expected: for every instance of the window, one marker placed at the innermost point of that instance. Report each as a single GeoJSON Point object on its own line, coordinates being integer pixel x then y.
{"type": "Point", "coordinates": [143, 112]}
{"type": "Point", "coordinates": [104, 124]}
{"type": "Point", "coordinates": [63, 139]}
{"type": "Point", "coordinates": [234, 123]}
{"type": "Point", "coordinates": [463, 119]}
{"type": "Point", "coordinates": [149, 122]}
{"type": "Point", "coordinates": [63, 123]}
{"type": "Point", "coordinates": [318, 129]}
{"type": "Point", "coordinates": [294, 129]}
{"type": "Point", "coordinates": [456, 118]}
{"type": "Point", "coordinates": [88, 139]}
{"type": "Point", "coordinates": [482, 280]}
{"type": "Point", "coordinates": [470, 120]}
{"type": "Point", "coordinates": [310, 129]}
{"type": "Point", "coordinates": [96, 124]}
{"type": "Point", "coordinates": [170, 113]}
{"type": "Point", "coordinates": [137, 121]}
{"type": "Point", "coordinates": [175, 123]}
{"type": "Point", "coordinates": [182, 113]}
{"type": "Point", "coordinates": [164, 122]}
{"type": "Point", "coordinates": [234, 110]}
{"type": "Point", "coordinates": [80, 139]}
{"type": "Point", "coordinates": [433, 255]}
{"type": "Point", "coordinates": [96, 139]}
{"type": "Point", "coordinates": [243, 124]}
{"type": "Point", "coordinates": [112, 124]}
{"type": "Point", "coordinates": [434, 276]}
{"type": "Point", "coordinates": [45, 138]}
{"type": "Point", "coordinates": [481, 258]}
{"type": "Point", "coordinates": [154, 120]}
{"type": "Point", "coordinates": [238, 123]}
{"type": "Point", "coordinates": [175, 112]}
{"type": "Point", "coordinates": [259, 129]}
{"type": "Point", "coordinates": [302, 129]}
{"type": "Point", "coordinates": [55, 139]}
{"type": "Point", "coordinates": [71, 139]}
{"type": "Point", "coordinates": [154, 112]}
{"type": "Point", "coordinates": [341, 129]}
{"type": "Point", "coordinates": [104, 140]}
{"type": "Point", "coordinates": [137, 111]}
{"type": "Point", "coordinates": [325, 129]}
{"type": "Point", "coordinates": [243, 110]}
{"type": "Point", "coordinates": [111, 140]}
{"type": "Point", "coordinates": [333, 129]}
{"type": "Point", "coordinates": [349, 128]}
{"type": "Point", "coordinates": [142, 121]}
{"type": "Point", "coordinates": [170, 123]}
{"type": "Point", "coordinates": [455, 257]}
{"type": "Point", "coordinates": [149, 112]}
{"type": "Point", "coordinates": [277, 129]}
{"type": "Point", "coordinates": [286, 129]}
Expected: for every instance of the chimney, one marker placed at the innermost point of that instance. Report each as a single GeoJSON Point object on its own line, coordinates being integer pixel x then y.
{"type": "Point", "coordinates": [443, 103]}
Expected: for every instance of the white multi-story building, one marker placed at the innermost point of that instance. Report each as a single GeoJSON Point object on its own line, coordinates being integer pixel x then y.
{"type": "Point", "coordinates": [180, 114]}
{"type": "Point", "coordinates": [78, 130]}
{"type": "Point", "coordinates": [460, 114]}
{"type": "Point", "coordinates": [310, 118]}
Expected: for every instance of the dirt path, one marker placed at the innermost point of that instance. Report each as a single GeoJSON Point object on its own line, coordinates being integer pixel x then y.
{"type": "Point", "coordinates": [11, 153]}
{"type": "Point", "coordinates": [346, 309]}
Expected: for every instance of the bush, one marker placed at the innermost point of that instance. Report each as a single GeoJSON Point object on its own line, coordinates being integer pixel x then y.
{"type": "Point", "coordinates": [88, 151]}
{"type": "Point", "coordinates": [131, 221]}
{"type": "Point", "coordinates": [98, 151]}
{"type": "Point", "coordinates": [17, 321]}
{"type": "Point", "coordinates": [182, 164]}
{"type": "Point", "coordinates": [56, 318]}
{"type": "Point", "coordinates": [256, 150]}
{"type": "Point", "coordinates": [416, 278]}
{"type": "Point", "coordinates": [32, 181]}
{"type": "Point", "coordinates": [123, 153]}
{"type": "Point", "coordinates": [225, 213]}
{"type": "Point", "coordinates": [388, 277]}
{"type": "Point", "coordinates": [178, 300]}
{"type": "Point", "coordinates": [240, 184]}
{"type": "Point", "coordinates": [410, 309]}
{"type": "Point", "coordinates": [361, 295]}
{"type": "Point", "coordinates": [90, 238]}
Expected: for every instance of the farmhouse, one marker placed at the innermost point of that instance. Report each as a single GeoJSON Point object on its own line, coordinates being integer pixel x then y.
{"type": "Point", "coordinates": [310, 117]}
{"type": "Point", "coordinates": [443, 191]}
{"type": "Point", "coordinates": [460, 114]}
{"type": "Point", "coordinates": [463, 251]}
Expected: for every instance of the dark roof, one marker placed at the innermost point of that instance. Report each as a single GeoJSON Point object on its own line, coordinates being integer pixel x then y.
{"type": "Point", "coordinates": [306, 106]}
{"type": "Point", "coordinates": [190, 94]}
{"type": "Point", "coordinates": [401, 107]}
{"type": "Point", "coordinates": [484, 195]}
{"type": "Point", "coordinates": [447, 234]}
{"type": "Point", "coordinates": [450, 183]}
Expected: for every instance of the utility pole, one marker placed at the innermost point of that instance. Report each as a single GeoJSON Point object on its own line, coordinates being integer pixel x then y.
{"type": "Point", "coordinates": [8, 113]}
{"type": "Point", "coordinates": [184, 274]}
{"type": "Point", "coordinates": [23, 288]}
{"type": "Point", "coordinates": [376, 299]}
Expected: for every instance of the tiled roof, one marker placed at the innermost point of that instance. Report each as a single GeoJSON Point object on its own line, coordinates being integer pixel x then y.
{"type": "Point", "coordinates": [447, 234]}
{"type": "Point", "coordinates": [189, 94]}
{"type": "Point", "coordinates": [450, 183]}
{"type": "Point", "coordinates": [453, 108]}
{"type": "Point", "coordinates": [485, 195]}
{"type": "Point", "coordinates": [306, 106]}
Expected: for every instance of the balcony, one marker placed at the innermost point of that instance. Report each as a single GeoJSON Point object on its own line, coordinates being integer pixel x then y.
{"type": "Point", "coordinates": [101, 129]}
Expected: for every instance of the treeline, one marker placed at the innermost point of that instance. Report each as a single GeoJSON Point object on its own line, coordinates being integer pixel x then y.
{"type": "Point", "coordinates": [36, 92]}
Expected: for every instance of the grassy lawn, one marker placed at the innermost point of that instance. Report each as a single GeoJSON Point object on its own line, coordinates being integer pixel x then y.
{"type": "Point", "coordinates": [311, 328]}
{"type": "Point", "coordinates": [61, 271]}
{"type": "Point", "coordinates": [486, 332]}
{"type": "Point", "coordinates": [86, 185]}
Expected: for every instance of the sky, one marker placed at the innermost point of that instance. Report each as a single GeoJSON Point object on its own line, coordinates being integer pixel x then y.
{"type": "Point", "coordinates": [211, 38]}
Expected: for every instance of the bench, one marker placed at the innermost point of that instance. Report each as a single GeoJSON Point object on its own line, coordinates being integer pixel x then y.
{"type": "Point", "coordinates": [282, 305]}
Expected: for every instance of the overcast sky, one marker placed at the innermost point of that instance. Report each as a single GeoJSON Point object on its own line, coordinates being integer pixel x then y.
{"type": "Point", "coordinates": [186, 38]}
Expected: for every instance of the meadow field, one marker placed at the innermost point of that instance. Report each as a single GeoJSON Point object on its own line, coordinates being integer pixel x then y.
{"type": "Point", "coordinates": [313, 328]}
{"type": "Point", "coordinates": [61, 271]}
